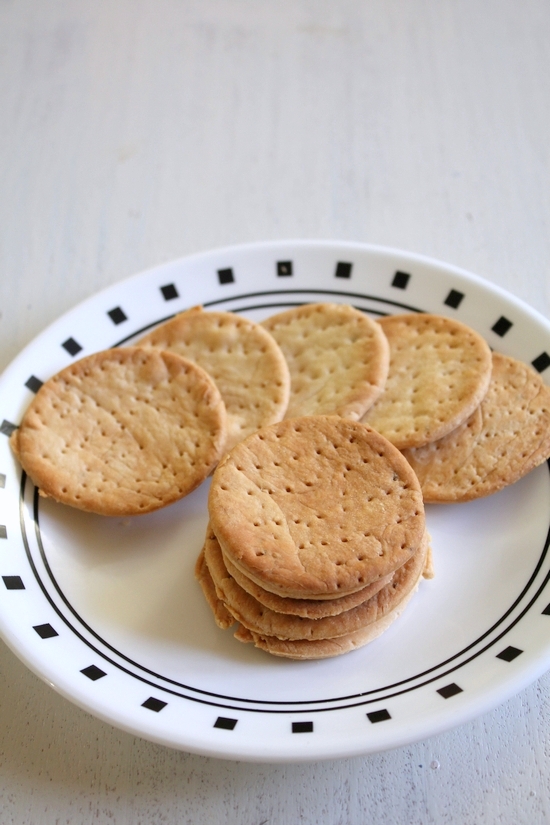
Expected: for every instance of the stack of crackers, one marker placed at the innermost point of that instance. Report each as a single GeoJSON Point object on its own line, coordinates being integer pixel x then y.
{"type": "Point", "coordinates": [326, 433]}
{"type": "Point", "coordinates": [317, 537]}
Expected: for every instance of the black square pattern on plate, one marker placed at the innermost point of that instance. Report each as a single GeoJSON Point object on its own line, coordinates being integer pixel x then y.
{"type": "Point", "coordinates": [541, 362]}
{"type": "Point", "coordinates": [169, 292]}
{"type": "Point", "coordinates": [225, 276]}
{"type": "Point", "coordinates": [117, 315]}
{"type": "Point", "coordinates": [2, 481]}
{"type": "Point", "coordinates": [509, 654]}
{"type": "Point", "coordinates": [284, 269]}
{"type": "Point", "coordinates": [502, 326]}
{"type": "Point", "coordinates": [3, 531]}
{"type": "Point", "coordinates": [33, 383]}
{"type": "Point", "coordinates": [13, 582]}
{"type": "Point", "coordinates": [343, 270]}
{"type": "Point", "coordinates": [454, 299]}
{"type": "Point", "coordinates": [6, 427]}
{"type": "Point", "coordinates": [93, 672]}
{"type": "Point", "coordinates": [72, 346]}
{"type": "Point", "coordinates": [546, 611]}
{"type": "Point", "coordinates": [302, 727]}
{"type": "Point", "coordinates": [45, 631]}
{"type": "Point", "coordinates": [449, 690]}
{"type": "Point", "coordinates": [401, 280]}
{"type": "Point", "coordinates": [224, 723]}
{"type": "Point", "coordinates": [378, 716]}
{"type": "Point", "coordinates": [154, 704]}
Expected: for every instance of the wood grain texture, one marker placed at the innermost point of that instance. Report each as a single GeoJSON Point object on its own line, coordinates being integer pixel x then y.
{"type": "Point", "coordinates": [136, 132]}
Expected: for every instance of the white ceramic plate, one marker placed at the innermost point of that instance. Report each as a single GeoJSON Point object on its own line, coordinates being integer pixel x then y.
{"type": "Point", "coordinates": [108, 612]}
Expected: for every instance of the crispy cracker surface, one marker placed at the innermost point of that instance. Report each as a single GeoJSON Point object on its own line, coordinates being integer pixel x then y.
{"type": "Point", "coordinates": [265, 622]}
{"type": "Point", "coordinates": [504, 439]}
{"type": "Point", "coordinates": [246, 363]}
{"type": "Point", "coordinates": [338, 359]}
{"type": "Point", "coordinates": [316, 507]}
{"type": "Point", "coordinates": [122, 432]}
{"type": "Point", "coordinates": [305, 649]}
{"type": "Point", "coordinates": [222, 616]}
{"type": "Point", "coordinates": [439, 373]}
{"type": "Point", "coordinates": [307, 608]}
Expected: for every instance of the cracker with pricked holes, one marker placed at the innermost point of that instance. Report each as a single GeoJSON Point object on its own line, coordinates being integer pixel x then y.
{"type": "Point", "coordinates": [316, 507]}
{"type": "Point", "coordinates": [307, 608]}
{"type": "Point", "coordinates": [122, 432]}
{"type": "Point", "coordinates": [261, 620]}
{"type": "Point", "coordinates": [247, 365]}
{"type": "Point", "coordinates": [338, 359]}
{"type": "Point", "coordinates": [439, 373]}
{"type": "Point", "coordinates": [304, 649]}
{"type": "Point", "coordinates": [504, 439]}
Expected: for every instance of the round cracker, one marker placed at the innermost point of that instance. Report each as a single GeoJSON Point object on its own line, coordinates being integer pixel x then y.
{"type": "Point", "coordinates": [261, 620]}
{"type": "Point", "coordinates": [122, 432]}
{"type": "Point", "coordinates": [439, 373]}
{"type": "Point", "coordinates": [307, 608]}
{"type": "Point", "coordinates": [323, 648]}
{"type": "Point", "coordinates": [338, 359]}
{"type": "Point", "coordinates": [248, 367]}
{"type": "Point", "coordinates": [504, 439]}
{"type": "Point", "coordinates": [222, 616]}
{"type": "Point", "coordinates": [316, 507]}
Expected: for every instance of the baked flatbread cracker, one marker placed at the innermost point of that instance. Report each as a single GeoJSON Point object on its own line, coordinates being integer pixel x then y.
{"type": "Point", "coordinates": [248, 367]}
{"type": "Point", "coordinates": [439, 373]}
{"type": "Point", "coordinates": [316, 507]}
{"type": "Point", "coordinates": [122, 432]}
{"type": "Point", "coordinates": [338, 359]}
{"type": "Point", "coordinates": [265, 622]}
{"type": "Point", "coordinates": [307, 608]}
{"type": "Point", "coordinates": [504, 439]}
{"type": "Point", "coordinates": [222, 616]}
{"type": "Point", "coordinates": [324, 648]}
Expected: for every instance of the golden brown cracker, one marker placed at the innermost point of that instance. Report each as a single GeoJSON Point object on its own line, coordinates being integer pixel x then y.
{"type": "Point", "coordinates": [222, 616]}
{"type": "Point", "coordinates": [439, 372]}
{"type": "Point", "coordinates": [307, 608]}
{"type": "Point", "coordinates": [122, 432]}
{"type": "Point", "coordinates": [247, 365]}
{"type": "Point", "coordinates": [305, 649]}
{"type": "Point", "coordinates": [338, 359]}
{"type": "Point", "coordinates": [505, 438]}
{"type": "Point", "coordinates": [261, 620]}
{"type": "Point", "coordinates": [316, 507]}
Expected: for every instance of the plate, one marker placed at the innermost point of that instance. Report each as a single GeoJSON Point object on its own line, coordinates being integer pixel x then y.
{"type": "Point", "coordinates": [107, 610]}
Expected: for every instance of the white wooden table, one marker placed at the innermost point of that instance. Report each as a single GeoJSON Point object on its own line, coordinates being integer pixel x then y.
{"type": "Point", "coordinates": [135, 132]}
